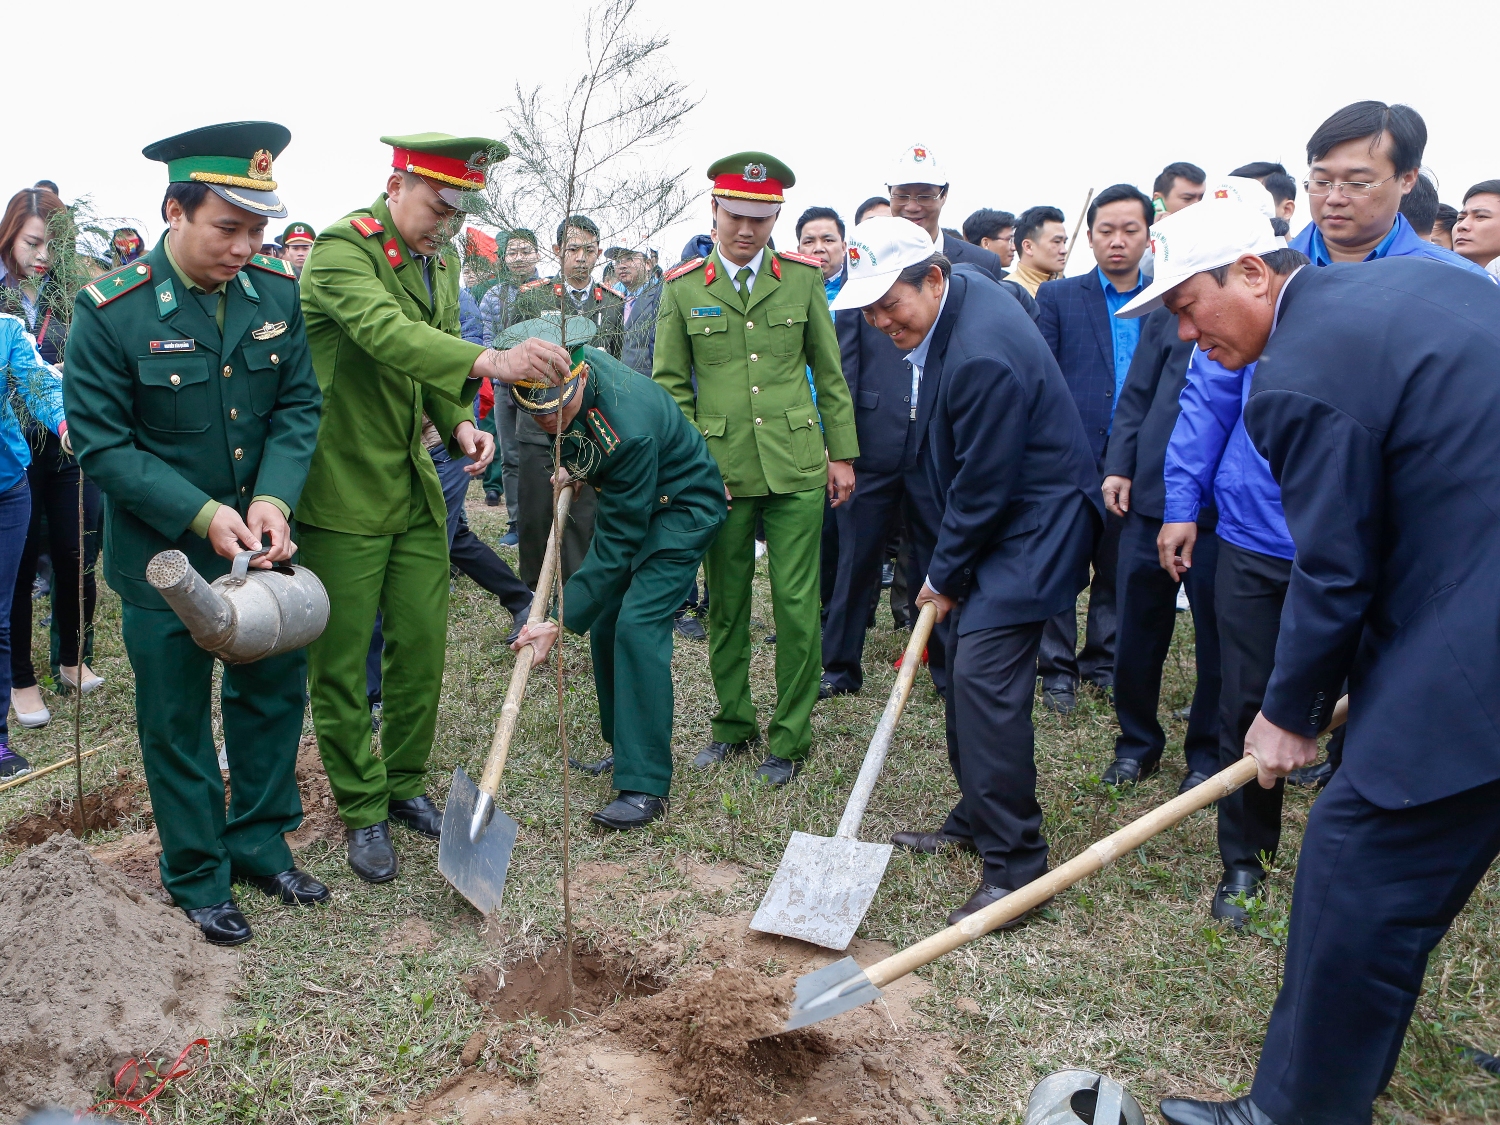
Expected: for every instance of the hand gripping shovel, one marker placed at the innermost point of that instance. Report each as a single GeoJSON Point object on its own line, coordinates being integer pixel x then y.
{"type": "Point", "coordinates": [474, 851]}
{"type": "Point", "coordinates": [824, 885]}
{"type": "Point", "coordinates": [844, 985]}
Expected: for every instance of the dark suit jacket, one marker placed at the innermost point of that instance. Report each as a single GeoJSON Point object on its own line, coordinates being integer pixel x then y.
{"type": "Point", "coordinates": [1377, 403]}
{"type": "Point", "coordinates": [1075, 323]}
{"type": "Point", "coordinates": [962, 253]}
{"type": "Point", "coordinates": [1004, 448]}
{"type": "Point", "coordinates": [638, 347]}
{"type": "Point", "coordinates": [879, 381]}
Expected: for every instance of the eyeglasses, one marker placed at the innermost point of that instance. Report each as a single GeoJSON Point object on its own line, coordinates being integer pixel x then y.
{"type": "Point", "coordinates": [925, 197]}
{"type": "Point", "coordinates": [1352, 189]}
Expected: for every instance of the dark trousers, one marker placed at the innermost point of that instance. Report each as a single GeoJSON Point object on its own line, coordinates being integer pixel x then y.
{"type": "Point", "coordinates": [865, 524]}
{"type": "Point", "coordinates": [1146, 601]}
{"type": "Point", "coordinates": [15, 515]}
{"type": "Point", "coordinates": [828, 563]}
{"type": "Point", "coordinates": [1376, 890]}
{"type": "Point", "coordinates": [1059, 659]}
{"type": "Point", "coordinates": [923, 515]}
{"type": "Point", "coordinates": [991, 748]}
{"type": "Point", "coordinates": [536, 516]}
{"type": "Point", "coordinates": [1248, 592]}
{"type": "Point", "coordinates": [509, 455]}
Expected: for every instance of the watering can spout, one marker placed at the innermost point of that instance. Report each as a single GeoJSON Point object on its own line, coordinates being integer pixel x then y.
{"type": "Point", "coordinates": [209, 617]}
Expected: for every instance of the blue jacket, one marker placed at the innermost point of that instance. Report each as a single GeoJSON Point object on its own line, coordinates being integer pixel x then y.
{"type": "Point", "coordinates": [1075, 323]}
{"type": "Point", "coordinates": [39, 389]}
{"type": "Point", "coordinates": [1377, 405]}
{"type": "Point", "coordinates": [1402, 242]}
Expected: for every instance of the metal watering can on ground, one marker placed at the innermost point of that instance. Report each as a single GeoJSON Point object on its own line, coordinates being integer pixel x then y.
{"type": "Point", "coordinates": [245, 615]}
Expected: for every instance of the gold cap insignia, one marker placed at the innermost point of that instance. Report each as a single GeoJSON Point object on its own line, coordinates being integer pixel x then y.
{"type": "Point", "coordinates": [755, 173]}
{"type": "Point", "coordinates": [260, 166]}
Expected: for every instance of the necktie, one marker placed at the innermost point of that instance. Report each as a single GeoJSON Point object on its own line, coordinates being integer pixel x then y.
{"type": "Point", "coordinates": [742, 281]}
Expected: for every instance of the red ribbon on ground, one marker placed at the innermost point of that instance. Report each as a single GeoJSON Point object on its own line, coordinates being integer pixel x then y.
{"type": "Point", "coordinates": [145, 1068]}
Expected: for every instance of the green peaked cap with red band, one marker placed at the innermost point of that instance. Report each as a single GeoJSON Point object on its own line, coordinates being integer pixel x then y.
{"type": "Point", "coordinates": [233, 159]}
{"type": "Point", "coordinates": [451, 165]}
{"type": "Point", "coordinates": [752, 184]}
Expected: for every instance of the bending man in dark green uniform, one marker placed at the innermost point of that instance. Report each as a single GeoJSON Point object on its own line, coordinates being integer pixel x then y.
{"type": "Point", "coordinates": [660, 504]}
{"type": "Point", "coordinates": [192, 403]}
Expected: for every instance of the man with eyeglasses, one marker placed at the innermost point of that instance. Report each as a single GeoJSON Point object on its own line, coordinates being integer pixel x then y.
{"type": "Point", "coordinates": [918, 192]}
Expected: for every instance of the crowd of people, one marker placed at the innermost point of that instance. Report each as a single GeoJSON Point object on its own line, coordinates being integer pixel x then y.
{"type": "Point", "coordinates": [1267, 426]}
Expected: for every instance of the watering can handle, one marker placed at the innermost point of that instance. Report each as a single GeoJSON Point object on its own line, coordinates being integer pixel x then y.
{"type": "Point", "coordinates": [242, 561]}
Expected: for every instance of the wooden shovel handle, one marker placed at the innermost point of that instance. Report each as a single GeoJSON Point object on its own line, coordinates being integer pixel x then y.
{"type": "Point", "coordinates": [510, 710]}
{"type": "Point", "coordinates": [1104, 851]}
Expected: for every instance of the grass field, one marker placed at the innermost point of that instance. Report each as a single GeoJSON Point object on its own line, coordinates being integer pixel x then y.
{"type": "Point", "coordinates": [339, 1021]}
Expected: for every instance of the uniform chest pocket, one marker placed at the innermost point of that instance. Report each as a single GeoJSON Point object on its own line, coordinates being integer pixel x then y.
{"type": "Point", "coordinates": [786, 324]}
{"type": "Point", "coordinates": [171, 393]}
{"type": "Point", "coordinates": [263, 369]}
{"type": "Point", "coordinates": [710, 337]}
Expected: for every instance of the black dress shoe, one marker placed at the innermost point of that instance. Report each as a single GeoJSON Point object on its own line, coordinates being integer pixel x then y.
{"type": "Point", "coordinates": [770, 638]}
{"type": "Point", "coordinates": [1235, 883]}
{"type": "Point", "coordinates": [716, 752]}
{"type": "Point", "coordinates": [1060, 696]}
{"type": "Point", "coordinates": [828, 687]}
{"type": "Point", "coordinates": [1188, 1111]}
{"type": "Point", "coordinates": [1183, 714]}
{"type": "Point", "coordinates": [1315, 776]}
{"type": "Point", "coordinates": [222, 923]}
{"type": "Point", "coordinates": [371, 856]}
{"type": "Point", "coordinates": [776, 772]}
{"type": "Point", "coordinates": [1127, 771]}
{"type": "Point", "coordinates": [517, 623]}
{"type": "Point", "coordinates": [984, 896]}
{"type": "Point", "coordinates": [687, 625]}
{"type": "Point", "coordinates": [630, 810]}
{"type": "Point", "coordinates": [492, 499]}
{"type": "Point", "coordinates": [1191, 780]}
{"type": "Point", "coordinates": [293, 886]}
{"type": "Point", "coordinates": [930, 843]}
{"type": "Point", "coordinates": [605, 764]}
{"type": "Point", "coordinates": [420, 815]}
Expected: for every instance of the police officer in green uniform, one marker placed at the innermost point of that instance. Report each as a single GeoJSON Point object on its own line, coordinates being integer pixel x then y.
{"type": "Point", "coordinates": [296, 244]}
{"type": "Point", "coordinates": [380, 295]}
{"type": "Point", "coordinates": [192, 403]}
{"type": "Point", "coordinates": [750, 322]}
{"type": "Point", "coordinates": [660, 502]}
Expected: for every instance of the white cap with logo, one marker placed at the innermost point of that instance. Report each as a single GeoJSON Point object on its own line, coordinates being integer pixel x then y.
{"type": "Point", "coordinates": [878, 249]}
{"type": "Point", "coordinates": [1244, 190]}
{"type": "Point", "coordinates": [917, 165]}
{"type": "Point", "coordinates": [1201, 237]}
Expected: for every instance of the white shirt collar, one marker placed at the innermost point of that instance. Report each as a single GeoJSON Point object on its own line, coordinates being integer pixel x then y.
{"type": "Point", "coordinates": [917, 357]}
{"type": "Point", "coordinates": [753, 265]}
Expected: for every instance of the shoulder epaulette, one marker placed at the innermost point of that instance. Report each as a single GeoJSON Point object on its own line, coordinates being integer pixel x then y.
{"type": "Point", "coordinates": [532, 284]}
{"type": "Point", "coordinates": [683, 269]}
{"type": "Point", "coordinates": [604, 433]}
{"type": "Point", "coordinates": [273, 265]}
{"type": "Point", "coordinates": [103, 290]}
{"type": "Point", "coordinates": [367, 225]}
{"type": "Point", "coordinates": [803, 258]}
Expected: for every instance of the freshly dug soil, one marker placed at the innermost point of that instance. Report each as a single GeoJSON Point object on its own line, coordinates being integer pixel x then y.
{"type": "Point", "coordinates": [103, 809]}
{"type": "Point", "coordinates": [94, 971]}
{"type": "Point", "coordinates": [137, 857]}
{"type": "Point", "coordinates": [540, 987]}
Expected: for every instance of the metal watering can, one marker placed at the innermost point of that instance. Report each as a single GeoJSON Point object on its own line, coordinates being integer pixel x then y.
{"type": "Point", "coordinates": [245, 615]}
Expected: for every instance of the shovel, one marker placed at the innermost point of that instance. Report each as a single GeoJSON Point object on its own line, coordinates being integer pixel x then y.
{"type": "Point", "coordinates": [824, 885]}
{"type": "Point", "coordinates": [844, 985]}
{"type": "Point", "coordinates": [477, 840]}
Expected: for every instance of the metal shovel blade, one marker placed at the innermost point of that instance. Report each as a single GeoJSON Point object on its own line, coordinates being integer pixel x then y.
{"type": "Point", "coordinates": [831, 990]}
{"type": "Point", "coordinates": [822, 889]}
{"type": "Point", "coordinates": [476, 869]}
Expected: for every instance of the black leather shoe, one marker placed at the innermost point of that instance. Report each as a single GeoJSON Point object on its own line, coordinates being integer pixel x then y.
{"type": "Point", "coordinates": [371, 856]}
{"type": "Point", "coordinates": [605, 764]}
{"type": "Point", "coordinates": [630, 810]}
{"type": "Point", "coordinates": [492, 499]}
{"type": "Point", "coordinates": [1235, 883]}
{"type": "Point", "coordinates": [1060, 696]}
{"type": "Point", "coordinates": [716, 752]}
{"type": "Point", "coordinates": [688, 626]}
{"type": "Point", "coordinates": [930, 843]}
{"type": "Point", "coordinates": [776, 772]}
{"type": "Point", "coordinates": [419, 814]}
{"type": "Point", "coordinates": [1188, 1111]}
{"type": "Point", "coordinates": [828, 687]}
{"type": "Point", "coordinates": [1315, 776]}
{"type": "Point", "coordinates": [770, 638]}
{"type": "Point", "coordinates": [981, 898]}
{"type": "Point", "coordinates": [222, 923]}
{"type": "Point", "coordinates": [1191, 780]}
{"type": "Point", "coordinates": [293, 886]}
{"type": "Point", "coordinates": [1127, 771]}
{"type": "Point", "coordinates": [518, 622]}
{"type": "Point", "coordinates": [1183, 714]}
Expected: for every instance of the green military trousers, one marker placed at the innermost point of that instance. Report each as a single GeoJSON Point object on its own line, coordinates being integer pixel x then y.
{"type": "Point", "coordinates": [794, 529]}
{"type": "Point", "coordinates": [631, 642]}
{"type": "Point", "coordinates": [536, 516]}
{"type": "Point", "coordinates": [494, 476]}
{"type": "Point", "coordinates": [405, 576]}
{"type": "Point", "coordinates": [262, 705]}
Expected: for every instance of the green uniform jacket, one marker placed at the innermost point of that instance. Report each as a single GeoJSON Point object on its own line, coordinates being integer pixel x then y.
{"type": "Point", "coordinates": [659, 490]}
{"type": "Point", "coordinates": [603, 306]}
{"type": "Point", "coordinates": [753, 403]}
{"type": "Point", "coordinates": [165, 413]}
{"type": "Point", "coordinates": [386, 353]}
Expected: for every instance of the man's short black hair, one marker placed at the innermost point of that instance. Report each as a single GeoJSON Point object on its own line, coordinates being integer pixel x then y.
{"type": "Point", "coordinates": [1371, 121]}
{"type": "Point", "coordinates": [1117, 193]}
{"type": "Point", "coordinates": [1030, 221]}
{"type": "Point", "coordinates": [1483, 187]}
{"type": "Point", "coordinates": [49, 185]}
{"type": "Point", "coordinates": [1179, 169]}
{"type": "Point", "coordinates": [873, 201]}
{"type": "Point", "coordinates": [1447, 215]}
{"type": "Point", "coordinates": [576, 222]}
{"type": "Point", "coordinates": [987, 223]}
{"type": "Point", "coordinates": [1281, 262]}
{"type": "Point", "coordinates": [191, 195]}
{"type": "Point", "coordinates": [520, 234]}
{"type": "Point", "coordinates": [1420, 205]}
{"type": "Point", "coordinates": [1272, 176]}
{"type": "Point", "coordinates": [813, 213]}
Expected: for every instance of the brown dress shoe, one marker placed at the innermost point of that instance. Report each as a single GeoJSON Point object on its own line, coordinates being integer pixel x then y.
{"type": "Point", "coordinates": [930, 843]}
{"type": "Point", "coordinates": [984, 896]}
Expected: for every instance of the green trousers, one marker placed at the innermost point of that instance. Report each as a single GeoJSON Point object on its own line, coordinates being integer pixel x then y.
{"type": "Point", "coordinates": [494, 476]}
{"type": "Point", "coordinates": [794, 529]}
{"type": "Point", "coordinates": [631, 642]}
{"type": "Point", "coordinates": [262, 704]}
{"type": "Point", "coordinates": [405, 576]}
{"type": "Point", "coordinates": [536, 516]}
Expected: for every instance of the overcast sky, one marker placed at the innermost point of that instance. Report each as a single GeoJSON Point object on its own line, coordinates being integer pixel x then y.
{"type": "Point", "coordinates": [1020, 104]}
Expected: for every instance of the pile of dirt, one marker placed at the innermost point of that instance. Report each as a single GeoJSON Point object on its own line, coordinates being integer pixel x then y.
{"type": "Point", "coordinates": [540, 987]}
{"type": "Point", "coordinates": [103, 809]}
{"type": "Point", "coordinates": [92, 972]}
{"type": "Point", "coordinates": [137, 857]}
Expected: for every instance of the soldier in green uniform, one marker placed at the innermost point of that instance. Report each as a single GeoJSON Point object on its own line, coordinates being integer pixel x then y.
{"type": "Point", "coordinates": [380, 296]}
{"type": "Point", "coordinates": [660, 503]}
{"type": "Point", "coordinates": [750, 322]}
{"type": "Point", "coordinates": [296, 244]}
{"type": "Point", "coordinates": [192, 403]}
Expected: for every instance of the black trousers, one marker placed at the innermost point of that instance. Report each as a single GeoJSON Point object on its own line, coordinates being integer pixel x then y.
{"type": "Point", "coordinates": [865, 524]}
{"type": "Point", "coordinates": [1146, 599]}
{"type": "Point", "coordinates": [1249, 590]}
{"type": "Point", "coordinates": [1376, 890]}
{"type": "Point", "coordinates": [1059, 658]}
{"type": "Point", "coordinates": [991, 748]}
{"type": "Point", "coordinates": [828, 562]}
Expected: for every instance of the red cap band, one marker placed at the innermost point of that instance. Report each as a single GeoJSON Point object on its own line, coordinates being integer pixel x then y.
{"type": "Point", "coordinates": [767, 190]}
{"type": "Point", "coordinates": [445, 169]}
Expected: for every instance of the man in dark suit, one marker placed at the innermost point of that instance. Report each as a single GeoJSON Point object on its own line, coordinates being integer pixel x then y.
{"type": "Point", "coordinates": [1002, 449]}
{"type": "Point", "coordinates": [1094, 351]}
{"type": "Point", "coordinates": [1376, 405]}
{"type": "Point", "coordinates": [642, 297]}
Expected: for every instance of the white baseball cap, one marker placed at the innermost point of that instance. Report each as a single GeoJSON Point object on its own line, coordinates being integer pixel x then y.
{"type": "Point", "coordinates": [877, 250]}
{"type": "Point", "coordinates": [1202, 237]}
{"type": "Point", "coordinates": [917, 165]}
{"type": "Point", "coordinates": [1244, 190]}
